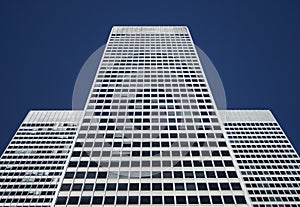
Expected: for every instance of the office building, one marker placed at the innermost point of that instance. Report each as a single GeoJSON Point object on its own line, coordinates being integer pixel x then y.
{"type": "Point", "coordinates": [150, 134]}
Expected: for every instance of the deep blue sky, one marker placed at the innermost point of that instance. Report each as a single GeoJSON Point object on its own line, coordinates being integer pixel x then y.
{"type": "Point", "coordinates": [254, 45]}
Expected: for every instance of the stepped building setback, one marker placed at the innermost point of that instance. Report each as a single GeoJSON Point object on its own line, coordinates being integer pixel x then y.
{"type": "Point", "coordinates": [150, 135]}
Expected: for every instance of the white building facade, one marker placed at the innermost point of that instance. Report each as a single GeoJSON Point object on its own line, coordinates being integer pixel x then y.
{"type": "Point", "coordinates": [33, 164]}
{"type": "Point", "coordinates": [268, 162]}
{"type": "Point", "coordinates": [150, 134]}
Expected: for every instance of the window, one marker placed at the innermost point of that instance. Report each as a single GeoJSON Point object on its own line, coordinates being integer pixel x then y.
{"type": "Point", "coordinates": [61, 200]}
{"type": "Point", "coordinates": [133, 200]}
{"type": "Point", "coordinates": [180, 199]}
{"type": "Point", "coordinates": [85, 200]}
{"type": "Point", "coordinates": [168, 186]}
{"type": "Point", "coordinates": [77, 187]}
{"type": "Point", "coordinates": [204, 200]}
{"type": "Point", "coordinates": [157, 200]}
{"type": "Point", "coordinates": [109, 200]}
{"type": "Point", "coordinates": [123, 186]}
{"type": "Point", "coordinates": [88, 187]}
{"type": "Point", "coordinates": [145, 199]}
{"type": "Point", "coordinates": [65, 187]}
{"type": "Point", "coordinates": [192, 199]}
{"type": "Point", "coordinates": [240, 199]}
{"type": "Point", "coordinates": [121, 200]}
{"type": "Point", "coordinates": [97, 200]}
{"type": "Point", "coordinates": [228, 200]}
{"type": "Point", "coordinates": [169, 199]}
{"type": "Point", "coordinates": [73, 200]}
{"type": "Point", "coordinates": [216, 199]}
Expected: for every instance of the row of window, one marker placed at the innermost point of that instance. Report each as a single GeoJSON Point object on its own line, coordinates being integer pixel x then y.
{"type": "Point", "coordinates": [46, 133]}
{"type": "Point", "coordinates": [250, 124]}
{"type": "Point", "coordinates": [149, 144]}
{"type": "Point", "coordinates": [151, 186]}
{"type": "Point", "coordinates": [28, 192]}
{"type": "Point", "coordinates": [170, 34]}
{"type": "Point", "coordinates": [146, 163]}
{"type": "Point", "coordinates": [272, 151]}
{"type": "Point", "coordinates": [275, 199]}
{"type": "Point", "coordinates": [148, 135]}
{"type": "Point", "coordinates": [174, 153]}
{"type": "Point", "coordinates": [27, 200]}
{"type": "Point", "coordinates": [42, 157]}
{"type": "Point", "coordinates": [275, 205]}
{"type": "Point", "coordinates": [294, 155]}
{"type": "Point", "coordinates": [73, 200]}
{"type": "Point", "coordinates": [154, 174]}
{"type": "Point", "coordinates": [27, 167]}
{"type": "Point", "coordinates": [273, 179]}
{"type": "Point", "coordinates": [244, 162]}
{"type": "Point", "coordinates": [263, 141]}
{"type": "Point", "coordinates": [273, 192]}
{"type": "Point", "coordinates": [27, 186]}
{"type": "Point", "coordinates": [149, 127]}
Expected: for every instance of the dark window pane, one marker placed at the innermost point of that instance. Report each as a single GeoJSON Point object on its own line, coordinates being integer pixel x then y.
{"type": "Point", "coordinates": [221, 174]}
{"type": "Point", "coordinates": [111, 186]}
{"type": "Point", "coordinates": [169, 199]}
{"type": "Point", "coordinates": [204, 200]}
{"type": "Point", "coordinates": [156, 186]}
{"type": "Point", "coordinates": [80, 174]}
{"type": "Point", "coordinates": [157, 200]}
{"type": "Point", "coordinates": [213, 186]}
{"type": "Point", "coordinates": [236, 186]}
{"type": "Point", "coordinates": [216, 199]}
{"type": "Point", "coordinates": [145, 186]}
{"type": "Point", "coordinates": [65, 187]}
{"type": "Point", "coordinates": [210, 174]}
{"type": "Point", "coordinates": [232, 174]}
{"type": "Point", "coordinates": [180, 200]}
{"type": "Point", "coordinates": [178, 174]}
{"type": "Point", "coordinates": [91, 175]}
{"type": "Point", "coordinates": [133, 200]}
{"type": "Point", "coordinates": [97, 199]}
{"type": "Point", "coordinates": [85, 200]}
{"type": "Point", "coordinates": [190, 186]}
{"type": "Point", "coordinates": [102, 174]}
{"type": "Point", "coordinates": [145, 199]}
{"type": "Point", "coordinates": [202, 186]}
{"type": "Point", "coordinates": [121, 200]}
{"type": "Point", "coordinates": [73, 200]}
{"type": "Point", "coordinates": [228, 199]}
{"type": "Point", "coordinates": [69, 175]}
{"type": "Point", "coordinates": [193, 199]}
{"type": "Point", "coordinates": [88, 187]}
{"type": "Point", "coordinates": [200, 174]}
{"type": "Point", "coordinates": [240, 199]}
{"type": "Point", "coordinates": [167, 174]}
{"type": "Point", "coordinates": [168, 186]}
{"type": "Point", "coordinates": [224, 186]}
{"type": "Point", "coordinates": [77, 187]}
{"type": "Point", "coordinates": [109, 200]}
{"type": "Point", "coordinates": [122, 186]}
{"type": "Point", "coordinates": [99, 187]}
{"type": "Point", "coordinates": [179, 186]}
{"type": "Point", "coordinates": [189, 174]}
{"type": "Point", "coordinates": [134, 186]}
{"type": "Point", "coordinates": [61, 200]}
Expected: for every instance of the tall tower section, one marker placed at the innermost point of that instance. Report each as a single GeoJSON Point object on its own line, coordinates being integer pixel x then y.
{"type": "Point", "coordinates": [150, 134]}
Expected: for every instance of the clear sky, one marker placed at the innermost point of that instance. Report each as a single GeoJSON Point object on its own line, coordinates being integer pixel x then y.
{"type": "Point", "coordinates": [253, 44]}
